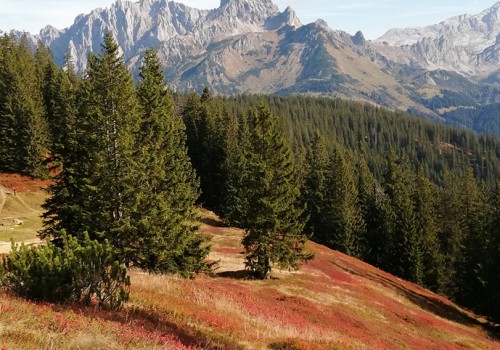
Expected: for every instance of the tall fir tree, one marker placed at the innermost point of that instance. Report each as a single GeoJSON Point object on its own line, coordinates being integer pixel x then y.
{"type": "Point", "coordinates": [490, 305]}
{"type": "Point", "coordinates": [65, 154]}
{"type": "Point", "coordinates": [371, 199]}
{"type": "Point", "coordinates": [453, 226]}
{"type": "Point", "coordinates": [405, 256]}
{"type": "Point", "coordinates": [167, 238]}
{"type": "Point", "coordinates": [101, 165]}
{"type": "Point", "coordinates": [267, 194]}
{"type": "Point", "coordinates": [235, 203]}
{"type": "Point", "coordinates": [425, 199]}
{"type": "Point", "coordinates": [470, 267]}
{"type": "Point", "coordinates": [111, 120]}
{"type": "Point", "coordinates": [344, 221]}
{"type": "Point", "coordinates": [7, 125]}
{"type": "Point", "coordinates": [314, 189]}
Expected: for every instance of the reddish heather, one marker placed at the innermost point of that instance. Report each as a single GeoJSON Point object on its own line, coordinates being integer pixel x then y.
{"type": "Point", "coordinates": [22, 183]}
{"type": "Point", "coordinates": [333, 302]}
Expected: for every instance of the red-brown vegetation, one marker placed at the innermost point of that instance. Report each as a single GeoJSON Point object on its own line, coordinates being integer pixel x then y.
{"type": "Point", "coordinates": [22, 183]}
{"type": "Point", "coordinates": [333, 302]}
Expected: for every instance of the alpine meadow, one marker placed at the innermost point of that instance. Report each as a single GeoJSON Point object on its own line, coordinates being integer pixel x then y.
{"type": "Point", "coordinates": [173, 192]}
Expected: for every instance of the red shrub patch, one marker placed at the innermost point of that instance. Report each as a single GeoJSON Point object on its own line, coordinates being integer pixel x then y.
{"type": "Point", "coordinates": [22, 183]}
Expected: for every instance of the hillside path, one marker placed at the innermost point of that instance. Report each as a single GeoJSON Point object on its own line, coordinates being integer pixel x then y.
{"type": "Point", "coordinates": [5, 247]}
{"type": "Point", "coordinates": [18, 198]}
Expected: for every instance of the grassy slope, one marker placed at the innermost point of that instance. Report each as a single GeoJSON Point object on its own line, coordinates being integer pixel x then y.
{"type": "Point", "coordinates": [334, 302]}
{"type": "Point", "coordinates": [24, 205]}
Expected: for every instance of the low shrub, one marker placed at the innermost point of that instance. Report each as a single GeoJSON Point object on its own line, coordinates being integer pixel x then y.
{"type": "Point", "coordinates": [86, 272]}
{"type": "Point", "coordinates": [284, 345]}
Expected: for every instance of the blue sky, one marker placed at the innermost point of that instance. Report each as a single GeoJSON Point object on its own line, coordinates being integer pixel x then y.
{"type": "Point", "coordinates": [373, 17]}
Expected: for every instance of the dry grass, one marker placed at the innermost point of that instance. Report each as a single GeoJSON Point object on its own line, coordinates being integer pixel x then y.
{"type": "Point", "coordinates": [20, 201]}
{"type": "Point", "coordinates": [334, 302]}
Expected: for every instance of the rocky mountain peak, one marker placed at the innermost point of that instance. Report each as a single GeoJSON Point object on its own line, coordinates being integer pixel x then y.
{"type": "Point", "coordinates": [359, 38]}
{"type": "Point", "coordinates": [285, 18]}
{"type": "Point", "coordinates": [462, 43]}
{"type": "Point", "coordinates": [49, 33]}
{"type": "Point", "coordinates": [491, 17]}
{"type": "Point", "coordinates": [256, 11]}
{"type": "Point", "coordinates": [321, 23]}
{"type": "Point", "coordinates": [291, 18]}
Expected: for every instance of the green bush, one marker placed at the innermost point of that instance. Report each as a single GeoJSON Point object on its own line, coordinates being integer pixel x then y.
{"type": "Point", "coordinates": [85, 272]}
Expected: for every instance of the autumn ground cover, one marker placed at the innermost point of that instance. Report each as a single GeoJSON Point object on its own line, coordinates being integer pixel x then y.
{"type": "Point", "coordinates": [333, 302]}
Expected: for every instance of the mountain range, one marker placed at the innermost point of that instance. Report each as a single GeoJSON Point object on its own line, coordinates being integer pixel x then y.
{"type": "Point", "coordinates": [448, 71]}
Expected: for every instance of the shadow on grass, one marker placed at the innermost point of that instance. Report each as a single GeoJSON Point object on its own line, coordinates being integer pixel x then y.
{"type": "Point", "coordinates": [151, 321]}
{"type": "Point", "coordinates": [238, 275]}
{"type": "Point", "coordinates": [434, 305]}
{"type": "Point", "coordinates": [213, 222]}
{"type": "Point", "coordinates": [242, 275]}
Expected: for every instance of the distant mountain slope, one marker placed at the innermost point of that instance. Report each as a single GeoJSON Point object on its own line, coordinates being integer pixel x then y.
{"type": "Point", "coordinates": [241, 46]}
{"type": "Point", "coordinates": [250, 46]}
{"type": "Point", "coordinates": [468, 44]}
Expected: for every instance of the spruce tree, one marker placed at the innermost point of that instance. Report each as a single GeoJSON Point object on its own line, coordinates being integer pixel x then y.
{"type": "Point", "coordinates": [67, 156]}
{"type": "Point", "coordinates": [470, 260]}
{"type": "Point", "coordinates": [7, 122]}
{"type": "Point", "coordinates": [267, 195]}
{"type": "Point", "coordinates": [167, 237]}
{"type": "Point", "coordinates": [371, 199]}
{"type": "Point", "coordinates": [100, 168]}
{"type": "Point", "coordinates": [236, 203]}
{"type": "Point", "coordinates": [111, 119]}
{"type": "Point", "coordinates": [425, 199]}
{"type": "Point", "coordinates": [344, 221]}
{"type": "Point", "coordinates": [208, 125]}
{"type": "Point", "coordinates": [24, 136]}
{"type": "Point", "coordinates": [315, 187]}
{"type": "Point", "coordinates": [490, 305]}
{"type": "Point", "coordinates": [453, 227]}
{"type": "Point", "coordinates": [405, 257]}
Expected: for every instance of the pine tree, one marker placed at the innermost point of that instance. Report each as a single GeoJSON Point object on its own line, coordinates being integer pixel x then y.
{"type": "Point", "coordinates": [65, 154]}
{"type": "Point", "coordinates": [111, 120]}
{"type": "Point", "coordinates": [100, 169]}
{"type": "Point", "coordinates": [267, 197]}
{"type": "Point", "coordinates": [405, 257]}
{"type": "Point", "coordinates": [314, 189]}
{"type": "Point", "coordinates": [426, 211]}
{"type": "Point", "coordinates": [345, 224]}
{"type": "Point", "coordinates": [490, 305]}
{"type": "Point", "coordinates": [7, 122]}
{"type": "Point", "coordinates": [58, 90]}
{"type": "Point", "coordinates": [371, 199]}
{"type": "Point", "coordinates": [24, 136]}
{"type": "Point", "coordinates": [470, 260]}
{"type": "Point", "coordinates": [167, 237]}
{"type": "Point", "coordinates": [208, 125]}
{"type": "Point", "coordinates": [452, 227]}
{"type": "Point", "coordinates": [236, 203]}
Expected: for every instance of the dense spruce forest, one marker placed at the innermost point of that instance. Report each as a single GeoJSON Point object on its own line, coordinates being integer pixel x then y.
{"type": "Point", "coordinates": [131, 161]}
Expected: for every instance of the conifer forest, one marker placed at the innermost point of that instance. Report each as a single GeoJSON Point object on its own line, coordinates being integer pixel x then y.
{"type": "Point", "coordinates": [131, 162]}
